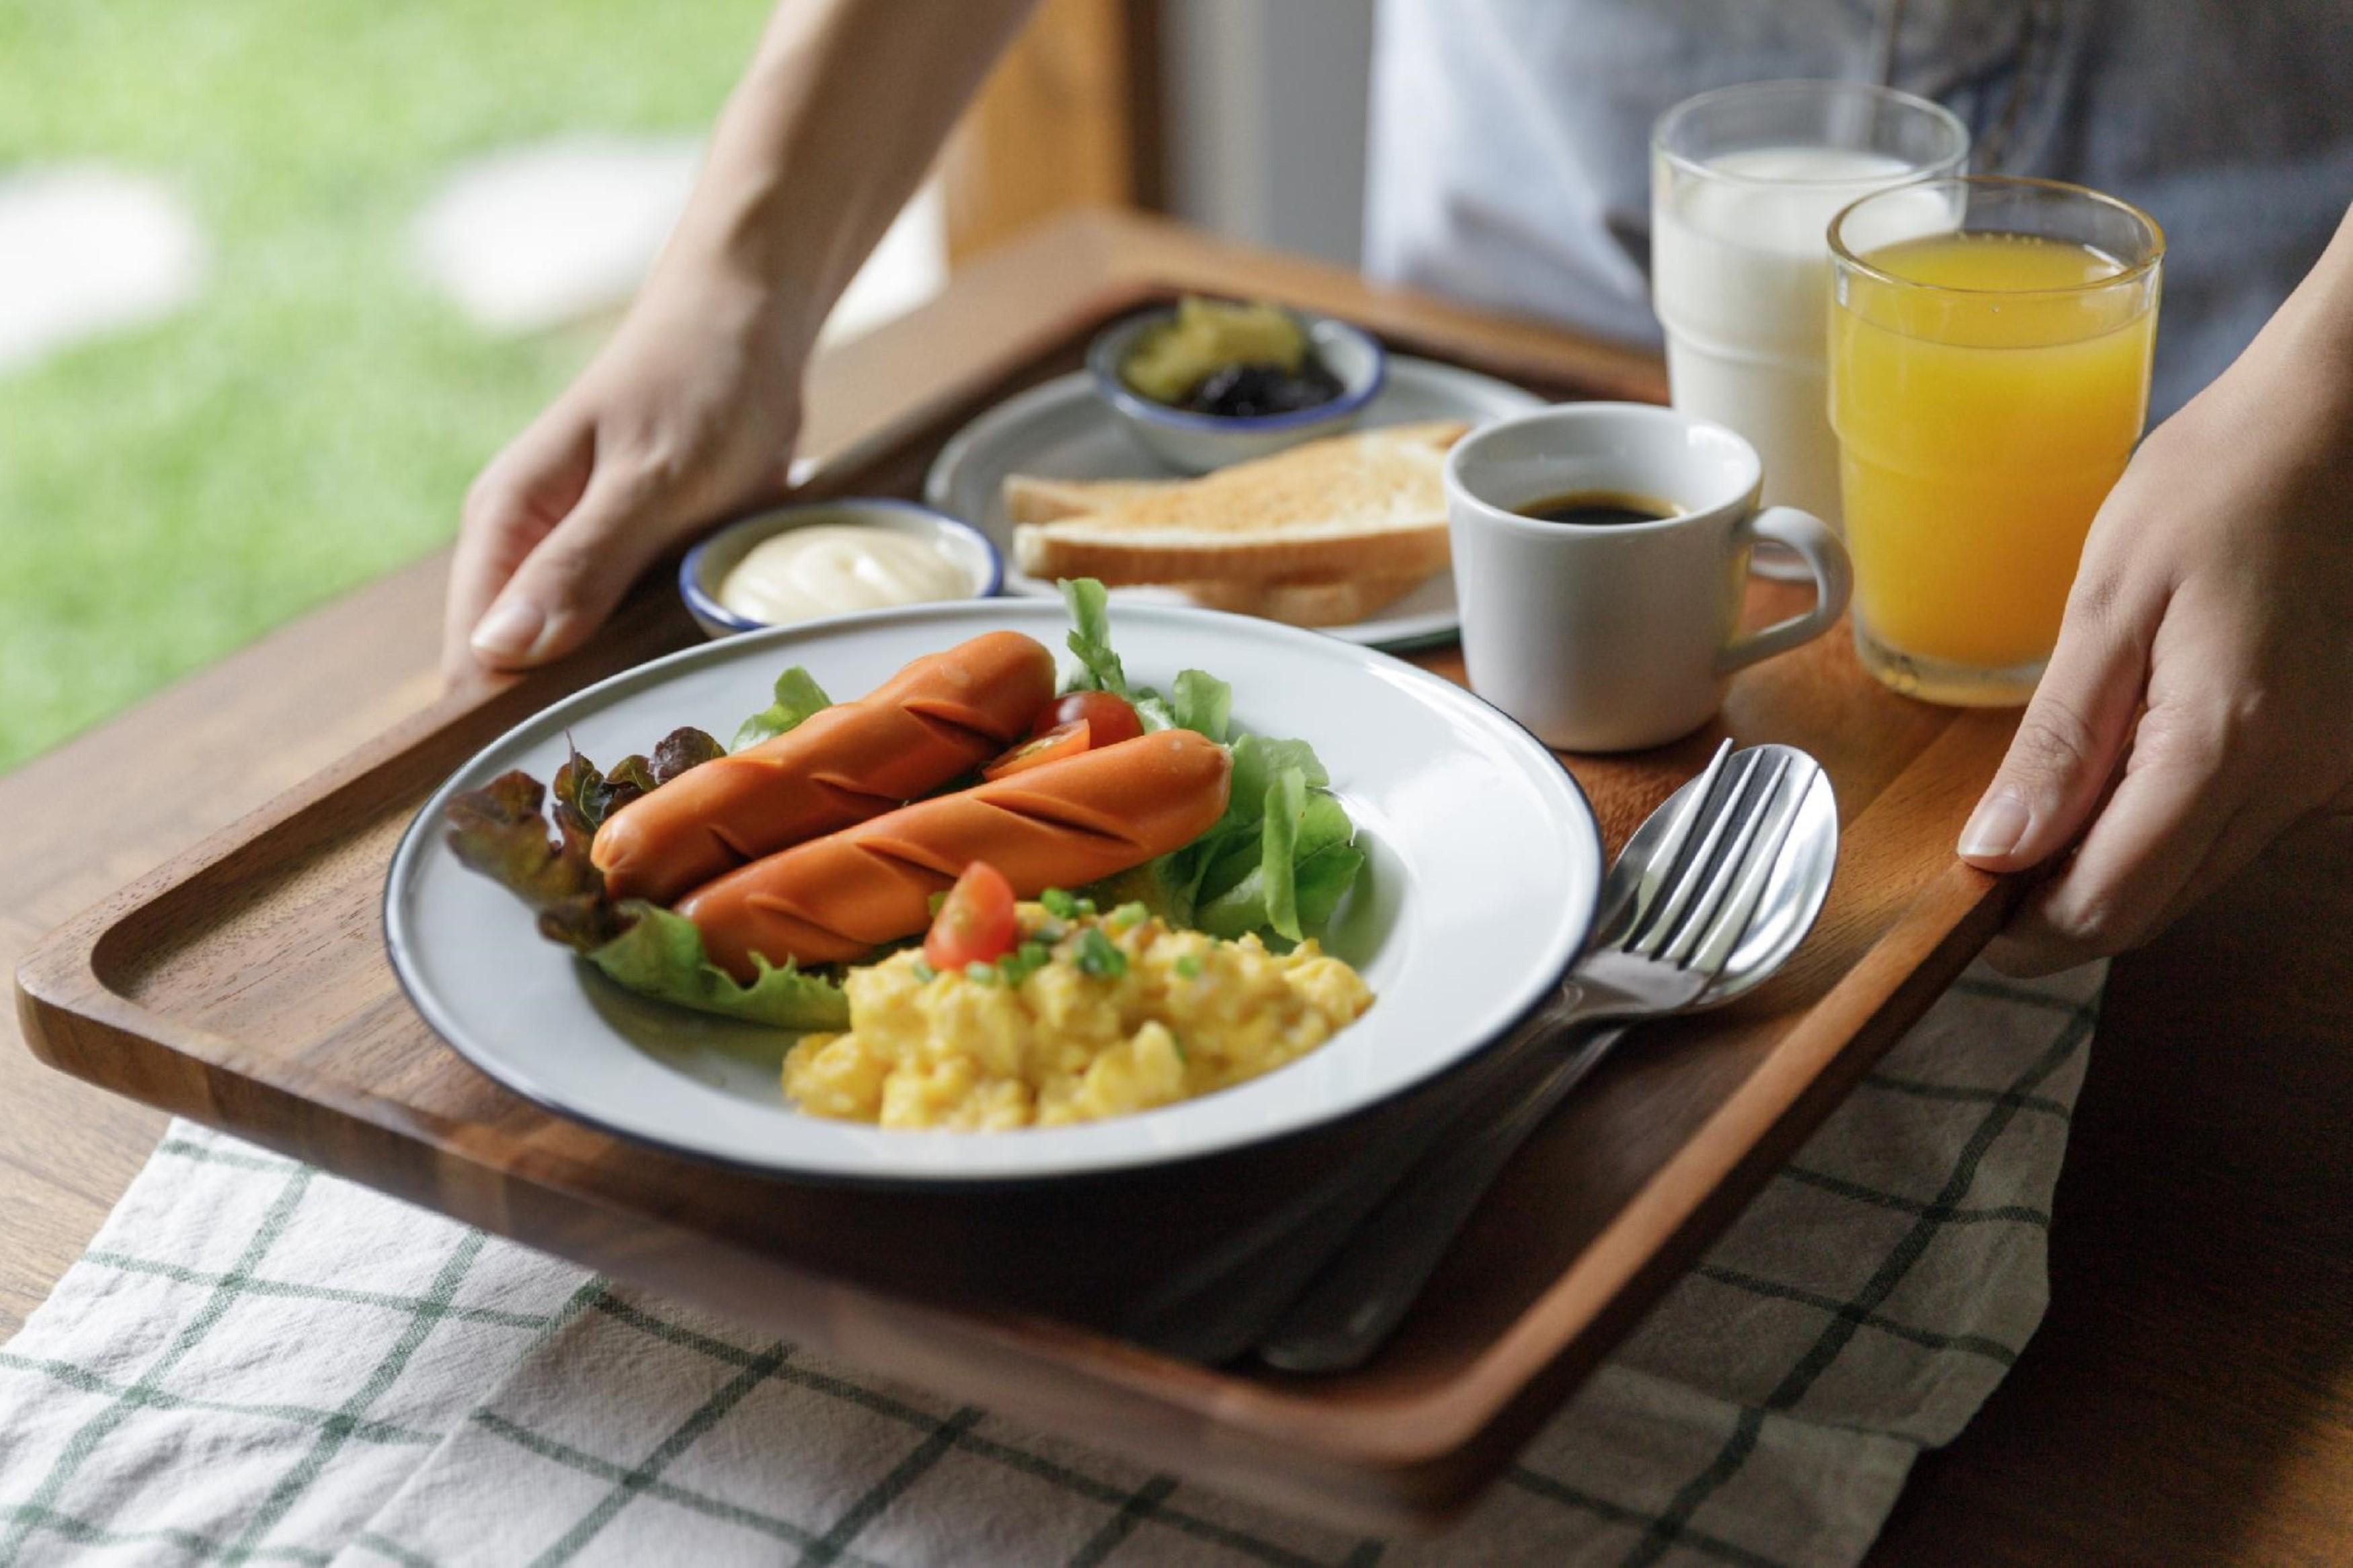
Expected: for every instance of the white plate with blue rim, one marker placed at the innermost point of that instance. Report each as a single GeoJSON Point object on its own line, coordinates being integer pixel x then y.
{"type": "Point", "coordinates": [1062, 429]}
{"type": "Point", "coordinates": [1483, 863]}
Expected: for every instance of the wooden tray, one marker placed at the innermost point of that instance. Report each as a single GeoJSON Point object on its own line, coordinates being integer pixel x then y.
{"type": "Point", "coordinates": [245, 985]}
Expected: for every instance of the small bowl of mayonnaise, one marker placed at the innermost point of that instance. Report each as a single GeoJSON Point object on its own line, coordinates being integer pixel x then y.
{"type": "Point", "coordinates": [833, 558]}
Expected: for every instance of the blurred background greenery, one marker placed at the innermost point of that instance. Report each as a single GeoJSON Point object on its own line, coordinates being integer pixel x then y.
{"type": "Point", "coordinates": [310, 416]}
{"type": "Point", "coordinates": [314, 416]}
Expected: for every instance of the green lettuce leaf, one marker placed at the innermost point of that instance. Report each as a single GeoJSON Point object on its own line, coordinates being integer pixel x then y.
{"type": "Point", "coordinates": [1195, 700]}
{"type": "Point", "coordinates": [1307, 861]}
{"type": "Point", "coordinates": [1325, 878]}
{"type": "Point", "coordinates": [683, 748]}
{"type": "Point", "coordinates": [1258, 761]}
{"type": "Point", "coordinates": [1164, 886]}
{"type": "Point", "coordinates": [1278, 862]}
{"type": "Point", "coordinates": [1324, 859]}
{"type": "Point", "coordinates": [1286, 807]}
{"type": "Point", "coordinates": [660, 954]}
{"type": "Point", "coordinates": [1236, 846]}
{"type": "Point", "coordinates": [1090, 638]}
{"type": "Point", "coordinates": [797, 696]}
{"type": "Point", "coordinates": [586, 796]}
{"type": "Point", "coordinates": [1201, 702]}
{"type": "Point", "coordinates": [498, 831]}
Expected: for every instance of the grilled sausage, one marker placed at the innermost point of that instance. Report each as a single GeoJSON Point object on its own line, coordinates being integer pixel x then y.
{"type": "Point", "coordinates": [1061, 825]}
{"type": "Point", "coordinates": [939, 717]}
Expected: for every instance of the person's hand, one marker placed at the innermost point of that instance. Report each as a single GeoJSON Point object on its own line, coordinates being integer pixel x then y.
{"type": "Point", "coordinates": [690, 411]}
{"type": "Point", "coordinates": [2200, 699]}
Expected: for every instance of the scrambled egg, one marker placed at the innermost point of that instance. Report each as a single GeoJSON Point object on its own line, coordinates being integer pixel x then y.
{"type": "Point", "coordinates": [1101, 1016]}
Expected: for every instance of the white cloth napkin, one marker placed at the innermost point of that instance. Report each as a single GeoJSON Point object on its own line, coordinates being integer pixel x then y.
{"type": "Point", "coordinates": [256, 1361]}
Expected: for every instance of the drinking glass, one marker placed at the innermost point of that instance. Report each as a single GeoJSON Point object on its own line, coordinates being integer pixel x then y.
{"type": "Point", "coordinates": [1989, 345]}
{"type": "Point", "coordinates": [1744, 184]}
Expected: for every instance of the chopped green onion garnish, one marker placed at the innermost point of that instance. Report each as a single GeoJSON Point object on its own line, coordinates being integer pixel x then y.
{"type": "Point", "coordinates": [1023, 962]}
{"type": "Point", "coordinates": [1097, 956]}
{"type": "Point", "coordinates": [923, 971]}
{"type": "Point", "coordinates": [1058, 903]}
{"type": "Point", "coordinates": [1187, 967]}
{"type": "Point", "coordinates": [1131, 913]}
{"type": "Point", "coordinates": [984, 973]}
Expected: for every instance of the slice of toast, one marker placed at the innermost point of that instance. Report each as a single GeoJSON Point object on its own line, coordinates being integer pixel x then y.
{"type": "Point", "coordinates": [1031, 498]}
{"type": "Point", "coordinates": [1365, 505]}
{"type": "Point", "coordinates": [1304, 604]}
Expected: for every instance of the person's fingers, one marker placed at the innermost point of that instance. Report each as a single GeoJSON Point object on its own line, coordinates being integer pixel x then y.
{"type": "Point", "coordinates": [515, 502]}
{"type": "Point", "coordinates": [2067, 743]}
{"type": "Point", "coordinates": [572, 579]}
{"type": "Point", "coordinates": [2187, 801]}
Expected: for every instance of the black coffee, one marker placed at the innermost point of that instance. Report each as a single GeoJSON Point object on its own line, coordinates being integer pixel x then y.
{"type": "Point", "coordinates": [1599, 509]}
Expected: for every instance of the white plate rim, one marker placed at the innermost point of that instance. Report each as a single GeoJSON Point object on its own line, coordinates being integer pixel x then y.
{"type": "Point", "coordinates": [995, 425]}
{"type": "Point", "coordinates": [421, 838]}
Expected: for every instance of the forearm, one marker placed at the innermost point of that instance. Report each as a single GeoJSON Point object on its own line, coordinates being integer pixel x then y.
{"type": "Point", "coordinates": [2310, 338]}
{"type": "Point", "coordinates": [829, 132]}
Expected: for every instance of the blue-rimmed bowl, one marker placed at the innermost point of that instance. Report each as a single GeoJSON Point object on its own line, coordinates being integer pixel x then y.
{"type": "Point", "coordinates": [1196, 443]}
{"type": "Point", "coordinates": [706, 566]}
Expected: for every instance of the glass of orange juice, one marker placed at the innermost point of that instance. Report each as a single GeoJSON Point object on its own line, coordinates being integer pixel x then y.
{"type": "Point", "coordinates": [1989, 343]}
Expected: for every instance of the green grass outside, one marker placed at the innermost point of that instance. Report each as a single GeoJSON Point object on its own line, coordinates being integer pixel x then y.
{"type": "Point", "coordinates": [313, 418]}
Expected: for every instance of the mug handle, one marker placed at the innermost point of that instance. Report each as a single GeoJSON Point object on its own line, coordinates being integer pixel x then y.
{"type": "Point", "coordinates": [1825, 556]}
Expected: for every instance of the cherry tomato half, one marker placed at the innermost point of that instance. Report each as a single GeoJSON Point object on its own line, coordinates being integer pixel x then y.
{"type": "Point", "coordinates": [1109, 718]}
{"type": "Point", "coordinates": [1062, 741]}
{"type": "Point", "coordinates": [976, 923]}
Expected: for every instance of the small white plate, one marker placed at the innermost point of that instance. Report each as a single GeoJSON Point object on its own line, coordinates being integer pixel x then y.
{"type": "Point", "coordinates": [1063, 430]}
{"type": "Point", "coordinates": [1483, 868]}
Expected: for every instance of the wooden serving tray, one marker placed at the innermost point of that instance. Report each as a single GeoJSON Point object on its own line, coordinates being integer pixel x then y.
{"type": "Point", "coordinates": [245, 985]}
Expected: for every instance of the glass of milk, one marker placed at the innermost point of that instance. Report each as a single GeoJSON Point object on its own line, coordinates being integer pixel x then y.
{"type": "Point", "coordinates": [1744, 184]}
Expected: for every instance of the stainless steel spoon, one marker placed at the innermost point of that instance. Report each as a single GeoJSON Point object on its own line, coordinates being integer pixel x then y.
{"type": "Point", "coordinates": [1227, 1303]}
{"type": "Point", "coordinates": [1688, 920]}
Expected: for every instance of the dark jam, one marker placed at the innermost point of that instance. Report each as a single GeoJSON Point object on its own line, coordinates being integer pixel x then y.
{"type": "Point", "coordinates": [1248, 391]}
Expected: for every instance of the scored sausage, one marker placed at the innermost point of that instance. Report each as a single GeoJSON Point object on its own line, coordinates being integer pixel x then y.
{"type": "Point", "coordinates": [1061, 825]}
{"type": "Point", "coordinates": [941, 716]}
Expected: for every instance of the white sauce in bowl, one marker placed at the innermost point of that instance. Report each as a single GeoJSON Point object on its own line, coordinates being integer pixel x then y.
{"type": "Point", "coordinates": [830, 569]}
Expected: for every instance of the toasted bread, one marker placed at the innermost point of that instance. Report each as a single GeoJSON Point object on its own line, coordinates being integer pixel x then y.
{"type": "Point", "coordinates": [1304, 604]}
{"type": "Point", "coordinates": [1031, 498]}
{"type": "Point", "coordinates": [1348, 507]}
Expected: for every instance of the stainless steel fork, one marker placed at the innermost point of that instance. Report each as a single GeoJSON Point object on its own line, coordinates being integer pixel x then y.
{"type": "Point", "coordinates": [1227, 1303]}
{"type": "Point", "coordinates": [1677, 916]}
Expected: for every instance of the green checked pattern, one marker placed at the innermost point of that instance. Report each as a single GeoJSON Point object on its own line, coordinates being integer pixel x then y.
{"type": "Point", "coordinates": [255, 1363]}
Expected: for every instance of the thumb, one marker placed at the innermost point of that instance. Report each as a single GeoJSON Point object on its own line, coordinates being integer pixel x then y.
{"type": "Point", "coordinates": [2067, 747]}
{"type": "Point", "coordinates": [572, 579]}
{"type": "Point", "coordinates": [512, 504]}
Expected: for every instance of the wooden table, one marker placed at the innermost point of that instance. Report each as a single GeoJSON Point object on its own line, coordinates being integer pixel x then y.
{"type": "Point", "coordinates": [2190, 1399]}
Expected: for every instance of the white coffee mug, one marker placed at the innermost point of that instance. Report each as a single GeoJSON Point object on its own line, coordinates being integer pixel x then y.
{"type": "Point", "coordinates": [1612, 637]}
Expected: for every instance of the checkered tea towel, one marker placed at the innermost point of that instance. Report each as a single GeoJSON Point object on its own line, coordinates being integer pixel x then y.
{"type": "Point", "coordinates": [258, 1363]}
